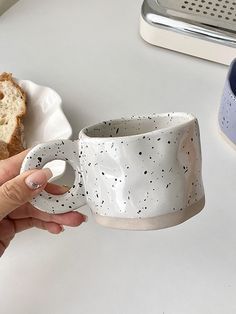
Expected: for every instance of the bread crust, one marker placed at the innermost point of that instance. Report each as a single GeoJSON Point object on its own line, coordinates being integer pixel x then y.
{"type": "Point", "coordinates": [3, 150]}
{"type": "Point", "coordinates": [8, 77]}
{"type": "Point", "coordinates": [15, 144]}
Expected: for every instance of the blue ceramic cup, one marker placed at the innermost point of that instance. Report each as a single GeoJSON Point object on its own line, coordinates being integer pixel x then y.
{"type": "Point", "coordinates": [227, 112]}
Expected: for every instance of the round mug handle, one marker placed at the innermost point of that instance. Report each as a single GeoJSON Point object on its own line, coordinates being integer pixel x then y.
{"type": "Point", "coordinates": [57, 150]}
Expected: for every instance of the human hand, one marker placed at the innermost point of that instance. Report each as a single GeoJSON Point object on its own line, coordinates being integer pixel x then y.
{"type": "Point", "coordinates": [16, 214]}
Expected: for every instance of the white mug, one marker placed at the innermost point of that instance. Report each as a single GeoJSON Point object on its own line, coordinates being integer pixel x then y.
{"type": "Point", "coordinates": [139, 173]}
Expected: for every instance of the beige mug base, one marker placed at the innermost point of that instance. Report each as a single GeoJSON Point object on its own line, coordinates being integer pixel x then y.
{"type": "Point", "coordinates": [152, 223]}
{"type": "Point", "coordinates": [226, 139]}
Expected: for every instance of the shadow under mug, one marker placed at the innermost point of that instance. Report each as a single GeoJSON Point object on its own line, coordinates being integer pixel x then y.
{"type": "Point", "coordinates": [140, 173]}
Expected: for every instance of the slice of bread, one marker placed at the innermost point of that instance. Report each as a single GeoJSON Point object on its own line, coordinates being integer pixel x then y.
{"type": "Point", "coordinates": [12, 111]}
{"type": "Point", "coordinates": [3, 150]}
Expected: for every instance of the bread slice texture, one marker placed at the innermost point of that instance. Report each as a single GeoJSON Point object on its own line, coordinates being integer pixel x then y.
{"type": "Point", "coordinates": [12, 111]}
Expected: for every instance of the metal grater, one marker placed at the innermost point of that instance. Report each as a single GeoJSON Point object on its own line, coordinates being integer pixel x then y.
{"type": "Point", "coordinates": [201, 28]}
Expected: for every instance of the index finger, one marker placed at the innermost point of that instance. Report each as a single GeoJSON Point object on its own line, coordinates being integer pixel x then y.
{"type": "Point", "coordinates": [10, 168]}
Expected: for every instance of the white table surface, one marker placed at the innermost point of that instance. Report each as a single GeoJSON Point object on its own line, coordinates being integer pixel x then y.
{"type": "Point", "coordinates": [92, 54]}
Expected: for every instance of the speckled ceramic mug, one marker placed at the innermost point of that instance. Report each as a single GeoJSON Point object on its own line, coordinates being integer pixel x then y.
{"type": "Point", "coordinates": [140, 173]}
{"type": "Point", "coordinates": [227, 112]}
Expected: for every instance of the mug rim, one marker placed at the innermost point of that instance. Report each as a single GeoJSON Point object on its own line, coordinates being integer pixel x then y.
{"type": "Point", "coordinates": [83, 135]}
{"type": "Point", "coordinates": [229, 76]}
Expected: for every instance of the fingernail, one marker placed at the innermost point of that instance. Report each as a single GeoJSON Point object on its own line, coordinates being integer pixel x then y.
{"type": "Point", "coordinates": [38, 178]}
{"type": "Point", "coordinates": [62, 228]}
{"type": "Point", "coordinates": [85, 218]}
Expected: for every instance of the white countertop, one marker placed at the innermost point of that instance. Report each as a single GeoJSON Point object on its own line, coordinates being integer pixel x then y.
{"type": "Point", "coordinates": [91, 53]}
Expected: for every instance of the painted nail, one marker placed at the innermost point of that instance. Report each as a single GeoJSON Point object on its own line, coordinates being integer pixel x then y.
{"type": "Point", "coordinates": [38, 178]}
{"type": "Point", "coordinates": [85, 218]}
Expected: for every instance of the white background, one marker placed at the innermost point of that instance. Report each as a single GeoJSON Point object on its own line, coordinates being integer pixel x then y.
{"type": "Point", "coordinates": [91, 53]}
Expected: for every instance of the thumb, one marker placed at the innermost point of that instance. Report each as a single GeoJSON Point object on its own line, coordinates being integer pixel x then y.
{"type": "Point", "coordinates": [22, 189]}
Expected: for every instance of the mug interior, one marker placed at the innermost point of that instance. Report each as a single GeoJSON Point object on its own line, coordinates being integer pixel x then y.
{"type": "Point", "coordinates": [138, 125]}
{"type": "Point", "coordinates": [232, 76]}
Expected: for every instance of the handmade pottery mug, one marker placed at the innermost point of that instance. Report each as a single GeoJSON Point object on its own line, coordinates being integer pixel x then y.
{"type": "Point", "coordinates": [227, 112]}
{"type": "Point", "coordinates": [140, 173]}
